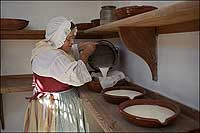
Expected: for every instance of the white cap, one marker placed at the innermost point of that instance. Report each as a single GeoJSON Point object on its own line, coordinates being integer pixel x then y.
{"type": "Point", "coordinates": [57, 30]}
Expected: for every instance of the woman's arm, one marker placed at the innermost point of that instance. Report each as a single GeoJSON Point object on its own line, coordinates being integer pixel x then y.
{"type": "Point", "coordinates": [84, 45]}
{"type": "Point", "coordinates": [86, 49]}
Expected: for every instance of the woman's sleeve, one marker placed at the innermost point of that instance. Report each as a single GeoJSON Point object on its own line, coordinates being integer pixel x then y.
{"type": "Point", "coordinates": [75, 51]}
{"type": "Point", "coordinates": [72, 73]}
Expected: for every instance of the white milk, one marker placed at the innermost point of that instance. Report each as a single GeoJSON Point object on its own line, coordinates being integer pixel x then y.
{"type": "Point", "coordinates": [104, 71]}
{"type": "Point", "coordinates": [128, 93]}
{"type": "Point", "coordinates": [150, 111]}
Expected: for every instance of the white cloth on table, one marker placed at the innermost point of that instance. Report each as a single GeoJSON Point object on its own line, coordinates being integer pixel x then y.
{"type": "Point", "coordinates": [111, 79]}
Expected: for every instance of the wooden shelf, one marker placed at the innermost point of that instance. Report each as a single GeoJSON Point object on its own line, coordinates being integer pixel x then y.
{"type": "Point", "coordinates": [40, 34]}
{"type": "Point", "coordinates": [16, 83]}
{"type": "Point", "coordinates": [139, 32]}
{"type": "Point", "coordinates": [177, 13]}
{"type": "Point", "coordinates": [23, 34]}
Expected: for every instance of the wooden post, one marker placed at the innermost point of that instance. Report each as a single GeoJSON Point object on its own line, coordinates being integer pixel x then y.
{"type": "Point", "coordinates": [1, 114]}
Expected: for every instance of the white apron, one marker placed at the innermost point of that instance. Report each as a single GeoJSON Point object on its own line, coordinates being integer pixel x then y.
{"type": "Point", "coordinates": [55, 112]}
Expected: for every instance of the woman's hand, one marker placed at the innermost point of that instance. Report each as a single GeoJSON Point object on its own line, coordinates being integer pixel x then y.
{"type": "Point", "coordinates": [87, 49]}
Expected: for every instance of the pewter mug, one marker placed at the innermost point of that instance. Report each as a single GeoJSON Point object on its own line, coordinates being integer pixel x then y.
{"type": "Point", "coordinates": [107, 14]}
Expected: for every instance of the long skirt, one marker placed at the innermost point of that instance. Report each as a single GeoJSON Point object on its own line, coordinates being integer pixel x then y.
{"type": "Point", "coordinates": [56, 112]}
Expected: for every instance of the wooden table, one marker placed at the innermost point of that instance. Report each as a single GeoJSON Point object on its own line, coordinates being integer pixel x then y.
{"type": "Point", "coordinates": [106, 114]}
{"type": "Point", "coordinates": [110, 120]}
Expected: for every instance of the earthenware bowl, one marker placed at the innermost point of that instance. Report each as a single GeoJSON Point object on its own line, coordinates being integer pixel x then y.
{"type": "Point", "coordinates": [128, 11]}
{"type": "Point", "coordinates": [95, 22]}
{"type": "Point", "coordinates": [13, 24]}
{"type": "Point", "coordinates": [148, 122]}
{"type": "Point", "coordinates": [84, 26]}
{"type": "Point", "coordinates": [119, 99]}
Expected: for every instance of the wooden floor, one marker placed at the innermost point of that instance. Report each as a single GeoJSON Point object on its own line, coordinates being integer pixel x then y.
{"type": "Point", "coordinates": [110, 120]}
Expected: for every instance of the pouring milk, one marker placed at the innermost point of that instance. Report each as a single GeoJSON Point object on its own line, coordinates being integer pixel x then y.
{"type": "Point", "coordinates": [104, 71]}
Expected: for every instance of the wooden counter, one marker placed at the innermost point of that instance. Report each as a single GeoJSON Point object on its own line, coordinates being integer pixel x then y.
{"type": "Point", "coordinates": [106, 114]}
{"type": "Point", "coordinates": [110, 120]}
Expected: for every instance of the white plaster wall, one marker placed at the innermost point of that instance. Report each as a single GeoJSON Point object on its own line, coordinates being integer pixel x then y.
{"type": "Point", "coordinates": [15, 56]}
{"type": "Point", "coordinates": [14, 109]}
{"type": "Point", "coordinates": [39, 12]}
{"type": "Point", "coordinates": [178, 54]}
{"type": "Point", "coordinates": [178, 62]}
{"type": "Point", "coordinates": [178, 68]}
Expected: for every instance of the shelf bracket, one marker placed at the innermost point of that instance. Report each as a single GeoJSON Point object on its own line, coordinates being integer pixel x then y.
{"type": "Point", "coordinates": [142, 41]}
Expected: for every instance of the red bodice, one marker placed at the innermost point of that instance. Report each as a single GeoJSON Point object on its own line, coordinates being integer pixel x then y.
{"type": "Point", "coordinates": [47, 85]}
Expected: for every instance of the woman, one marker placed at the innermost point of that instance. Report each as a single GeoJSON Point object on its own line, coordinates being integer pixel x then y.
{"type": "Point", "coordinates": [58, 68]}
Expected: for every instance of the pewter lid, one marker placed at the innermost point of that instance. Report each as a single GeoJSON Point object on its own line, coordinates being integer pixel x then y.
{"type": "Point", "coordinates": [105, 55]}
{"type": "Point", "coordinates": [109, 6]}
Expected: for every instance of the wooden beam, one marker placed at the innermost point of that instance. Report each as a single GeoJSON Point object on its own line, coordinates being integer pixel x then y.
{"type": "Point", "coordinates": [142, 41]}
{"type": "Point", "coordinates": [189, 26]}
{"type": "Point", "coordinates": [23, 34]}
{"type": "Point", "coordinates": [96, 35]}
{"type": "Point", "coordinates": [40, 34]}
{"type": "Point", "coordinates": [1, 114]}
